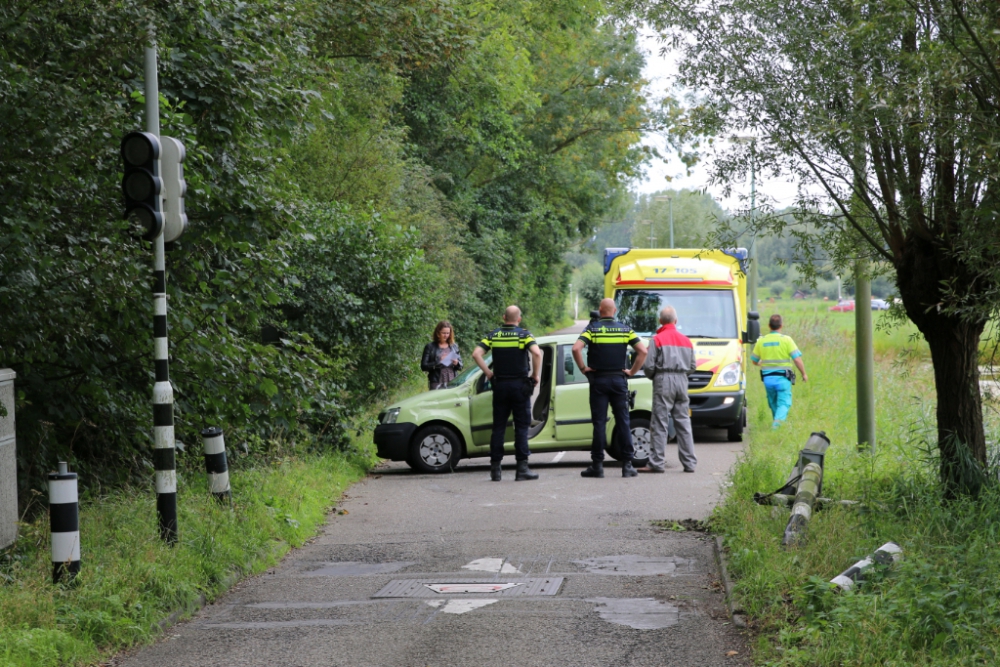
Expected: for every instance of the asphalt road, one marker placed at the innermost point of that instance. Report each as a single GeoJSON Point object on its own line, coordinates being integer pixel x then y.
{"type": "Point", "coordinates": [576, 575]}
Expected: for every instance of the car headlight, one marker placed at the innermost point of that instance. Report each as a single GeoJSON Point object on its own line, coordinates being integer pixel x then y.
{"type": "Point", "coordinates": [389, 416]}
{"type": "Point", "coordinates": [730, 375]}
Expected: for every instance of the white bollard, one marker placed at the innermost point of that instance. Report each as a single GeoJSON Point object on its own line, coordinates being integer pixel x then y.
{"type": "Point", "coordinates": [64, 520]}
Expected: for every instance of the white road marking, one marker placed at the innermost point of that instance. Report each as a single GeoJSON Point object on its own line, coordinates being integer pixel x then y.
{"type": "Point", "coordinates": [459, 606]}
{"type": "Point", "coordinates": [491, 565]}
{"type": "Point", "coordinates": [558, 457]}
{"type": "Point", "coordinates": [472, 588]}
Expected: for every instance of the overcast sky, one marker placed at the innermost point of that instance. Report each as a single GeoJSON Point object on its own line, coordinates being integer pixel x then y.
{"type": "Point", "coordinates": [661, 71]}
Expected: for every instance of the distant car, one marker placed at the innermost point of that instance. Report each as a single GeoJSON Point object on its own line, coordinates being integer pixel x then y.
{"type": "Point", "coordinates": [842, 307]}
{"type": "Point", "coordinates": [880, 304]}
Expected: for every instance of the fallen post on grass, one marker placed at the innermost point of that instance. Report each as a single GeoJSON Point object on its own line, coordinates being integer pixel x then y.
{"type": "Point", "coordinates": [887, 554]}
{"type": "Point", "coordinates": [814, 452]}
{"type": "Point", "coordinates": [785, 500]}
{"type": "Point", "coordinates": [805, 497]}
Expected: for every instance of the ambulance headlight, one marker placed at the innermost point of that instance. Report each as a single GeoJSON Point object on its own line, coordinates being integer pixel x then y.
{"type": "Point", "coordinates": [730, 375]}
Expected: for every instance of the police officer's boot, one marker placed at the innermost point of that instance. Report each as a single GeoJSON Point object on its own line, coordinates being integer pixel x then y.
{"type": "Point", "coordinates": [495, 471]}
{"type": "Point", "coordinates": [628, 470]}
{"type": "Point", "coordinates": [523, 473]}
{"type": "Point", "coordinates": [596, 469]}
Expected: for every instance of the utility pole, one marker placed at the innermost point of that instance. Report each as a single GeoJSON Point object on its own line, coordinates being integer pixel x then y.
{"type": "Point", "coordinates": [670, 203]}
{"type": "Point", "coordinates": [651, 230]}
{"type": "Point", "coordinates": [865, 355]}
{"type": "Point", "coordinates": [752, 278]}
{"type": "Point", "coordinates": [164, 461]}
{"type": "Point", "coordinates": [753, 215]}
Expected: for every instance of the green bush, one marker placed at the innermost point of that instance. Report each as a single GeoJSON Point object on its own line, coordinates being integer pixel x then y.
{"type": "Point", "coordinates": [363, 293]}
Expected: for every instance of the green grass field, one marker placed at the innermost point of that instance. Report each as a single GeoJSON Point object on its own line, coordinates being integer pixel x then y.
{"type": "Point", "coordinates": [131, 583]}
{"type": "Point", "coordinates": [941, 604]}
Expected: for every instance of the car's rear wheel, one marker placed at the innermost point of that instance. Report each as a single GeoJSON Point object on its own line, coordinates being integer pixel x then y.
{"type": "Point", "coordinates": [641, 441]}
{"type": "Point", "coordinates": [435, 449]}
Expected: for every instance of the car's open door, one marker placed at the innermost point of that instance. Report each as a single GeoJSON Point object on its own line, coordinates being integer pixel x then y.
{"type": "Point", "coordinates": [481, 404]}
{"type": "Point", "coordinates": [572, 402]}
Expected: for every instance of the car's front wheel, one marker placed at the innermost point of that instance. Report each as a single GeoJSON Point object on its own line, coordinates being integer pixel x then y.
{"type": "Point", "coordinates": [435, 449]}
{"type": "Point", "coordinates": [641, 442]}
{"type": "Point", "coordinates": [735, 432]}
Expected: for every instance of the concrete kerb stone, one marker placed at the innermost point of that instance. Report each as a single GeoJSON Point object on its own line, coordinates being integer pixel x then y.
{"type": "Point", "coordinates": [736, 612]}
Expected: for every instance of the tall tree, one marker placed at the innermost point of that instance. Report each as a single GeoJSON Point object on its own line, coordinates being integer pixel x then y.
{"type": "Point", "coordinates": [889, 110]}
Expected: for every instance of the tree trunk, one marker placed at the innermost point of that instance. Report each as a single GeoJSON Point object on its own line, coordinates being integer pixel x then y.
{"type": "Point", "coordinates": [954, 345]}
{"type": "Point", "coordinates": [955, 352]}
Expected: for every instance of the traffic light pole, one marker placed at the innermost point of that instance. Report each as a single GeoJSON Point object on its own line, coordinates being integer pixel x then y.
{"type": "Point", "coordinates": [163, 394]}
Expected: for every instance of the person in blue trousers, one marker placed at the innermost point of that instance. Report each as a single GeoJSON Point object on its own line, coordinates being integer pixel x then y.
{"type": "Point", "coordinates": [778, 356]}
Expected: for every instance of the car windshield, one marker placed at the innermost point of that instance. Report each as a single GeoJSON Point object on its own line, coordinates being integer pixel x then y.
{"type": "Point", "coordinates": [464, 376]}
{"type": "Point", "coordinates": [700, 313]}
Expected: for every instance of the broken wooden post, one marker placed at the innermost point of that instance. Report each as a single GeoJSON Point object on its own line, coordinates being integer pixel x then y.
{"type": "Point", "coordinates": [805, 497]}
{"type": "Point", "coordinates": [887, 554]}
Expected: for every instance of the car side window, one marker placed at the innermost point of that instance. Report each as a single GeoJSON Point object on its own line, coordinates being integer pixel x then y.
{"type": "Point", "coordinates": [484, 384]}
{"type": "Point", "coordinates": [568, 372]}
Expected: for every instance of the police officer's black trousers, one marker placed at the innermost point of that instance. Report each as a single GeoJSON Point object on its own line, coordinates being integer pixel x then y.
{"type": "Point", "coordinates": [613, 389]}
{"type": "Point", "coordinates": [511, 396]}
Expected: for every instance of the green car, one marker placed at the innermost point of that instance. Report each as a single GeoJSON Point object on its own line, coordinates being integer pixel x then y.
{"type": "Point", "coordinates": [433, 430]}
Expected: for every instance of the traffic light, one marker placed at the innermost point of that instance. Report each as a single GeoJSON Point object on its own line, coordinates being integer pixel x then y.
{"type": "Point", "coordinates": [174, 188]}
{"type": "Point", "coordinates": [142, 184]}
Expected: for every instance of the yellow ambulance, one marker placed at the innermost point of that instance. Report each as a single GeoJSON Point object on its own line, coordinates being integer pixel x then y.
{"type": "Point", "coordinates": [708, 289]}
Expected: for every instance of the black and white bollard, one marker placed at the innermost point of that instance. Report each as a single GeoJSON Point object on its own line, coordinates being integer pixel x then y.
{"type": "Point", "coordinates": [887, 554]}
{"type": "Point", "coordinates": [215, 463]}
{"type": "Point", "coordinates": [164, 461]}
{"type": "Point", "coordinates": [64, 520]}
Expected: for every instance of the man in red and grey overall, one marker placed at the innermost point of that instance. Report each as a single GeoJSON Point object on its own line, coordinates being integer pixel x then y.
{"type": "Point", "coordinates": [668, 365]}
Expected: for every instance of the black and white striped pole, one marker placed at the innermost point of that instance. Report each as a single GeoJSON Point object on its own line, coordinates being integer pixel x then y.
{"type": "Point", "coordinates": [887, 554]}
{"type": "Point", "coordinates": [163, 394]}
{"type": "Point", "coordinates": [64, 521]}
{"type": "Point", "coordinates": [215, 463]}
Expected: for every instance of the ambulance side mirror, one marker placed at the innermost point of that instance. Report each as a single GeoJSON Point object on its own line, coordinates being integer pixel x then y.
{"type": "Point", "coordinates": [753, 328]}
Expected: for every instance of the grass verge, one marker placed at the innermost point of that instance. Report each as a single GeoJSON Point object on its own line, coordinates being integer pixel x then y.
{"type": "Point", "coordinates": [941, 604]}
{"type": "Point", "coordinates": [131, 582]}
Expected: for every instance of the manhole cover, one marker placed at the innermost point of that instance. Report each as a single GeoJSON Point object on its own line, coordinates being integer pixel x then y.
{"type": "Point", "coordinates": [432, 588]}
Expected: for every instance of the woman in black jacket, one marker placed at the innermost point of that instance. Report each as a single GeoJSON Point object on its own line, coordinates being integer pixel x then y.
{"type": "Point", "coordinates": [441, 360]}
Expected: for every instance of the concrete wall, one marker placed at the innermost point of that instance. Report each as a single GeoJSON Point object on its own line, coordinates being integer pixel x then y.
{"type": "Point", "coordinates": [8, 462]}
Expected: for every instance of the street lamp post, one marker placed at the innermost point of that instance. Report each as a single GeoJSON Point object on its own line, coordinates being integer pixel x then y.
{"type": "Point", "coordinates": [670, 203]}
{"type": "Point", "coordinates": [650, 223]}
{"type": "Point", "coordinates": [753, 211]}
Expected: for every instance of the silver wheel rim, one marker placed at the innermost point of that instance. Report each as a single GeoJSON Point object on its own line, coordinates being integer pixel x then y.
{"type": "Point", "coordinates": [641, 442]}
{"type": "Point", "coordinates": [435, 450]}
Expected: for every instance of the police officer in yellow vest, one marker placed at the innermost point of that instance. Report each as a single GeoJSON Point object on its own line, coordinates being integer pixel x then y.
{"type": "Point", "coordinates": [607, 344]}
{"type": "Point", "coordinates": [776, 354]}
{"type": "Point", "coordinates": [513, 384]}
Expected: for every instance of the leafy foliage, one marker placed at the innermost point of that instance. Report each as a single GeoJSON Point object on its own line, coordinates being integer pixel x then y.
{"type": "Point", "coordinates": [356, 170]}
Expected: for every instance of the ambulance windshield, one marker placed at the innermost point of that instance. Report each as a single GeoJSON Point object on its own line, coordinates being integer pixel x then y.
{"type": "Point", "coordinates": [700, 313]}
